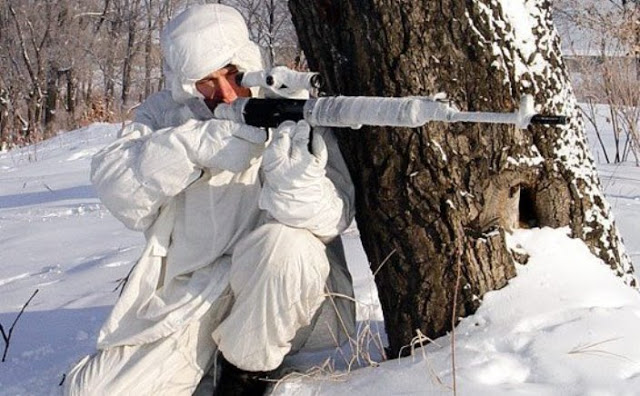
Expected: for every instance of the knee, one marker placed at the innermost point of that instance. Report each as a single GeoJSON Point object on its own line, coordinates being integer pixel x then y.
{"type": "Point", "coordinates": [296, 242]}
{"type": "Point", "coordinates": [279, 249]}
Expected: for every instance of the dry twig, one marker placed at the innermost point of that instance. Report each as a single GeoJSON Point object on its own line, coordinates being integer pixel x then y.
{"type": "Point", "coordinates": [453, 321]}
{"type": "Point", "coordinates": [6, 335]}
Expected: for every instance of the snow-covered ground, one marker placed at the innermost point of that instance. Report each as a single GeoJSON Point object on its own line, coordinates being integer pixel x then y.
{"type": "Point", "coordinates": [56, 237]}
{"type": "Point", "coordinates": [564, 326]}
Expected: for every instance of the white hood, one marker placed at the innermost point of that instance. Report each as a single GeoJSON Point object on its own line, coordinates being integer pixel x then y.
{"type": "Point", "coordinates": [202, 39]}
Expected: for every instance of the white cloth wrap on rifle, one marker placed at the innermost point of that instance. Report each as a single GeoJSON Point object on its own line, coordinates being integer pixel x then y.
{"type": "Point", "coordinates": [279, 76]}
{"type": "Point", "coordinates": [347, 111]}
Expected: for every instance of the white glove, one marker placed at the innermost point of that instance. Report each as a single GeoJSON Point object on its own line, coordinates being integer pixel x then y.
{"type": "Point", "coordinates": [296, 191]}
{"type": "Point", "coordinates": [227, 145]}
{"type": "Point", "coordinates": [287, 162]}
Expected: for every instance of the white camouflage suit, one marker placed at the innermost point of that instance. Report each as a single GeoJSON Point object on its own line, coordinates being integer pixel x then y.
{"type": "Point", "coordinates": [241, 247]}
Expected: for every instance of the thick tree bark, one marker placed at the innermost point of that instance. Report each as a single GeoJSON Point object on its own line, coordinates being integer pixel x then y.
{"type": "Point", "coordinates": [438, 199]}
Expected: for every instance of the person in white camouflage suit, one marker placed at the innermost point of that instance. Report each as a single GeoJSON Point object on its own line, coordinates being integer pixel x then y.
{"type": "Point", "coordinates": [242, 251]}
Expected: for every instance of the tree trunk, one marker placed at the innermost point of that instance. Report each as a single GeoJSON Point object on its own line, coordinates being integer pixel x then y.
{"type": "Point", "coordinates": [5, 139]}
{"type": "Point", "coordinates": [437, 200]}
{"type": "Point", "coordinates": [31, 126]}
{"type": "Point", "coordinates": [51, 101]}
{"type": "Point", "coordinates": [109, 70]}
{"type": "Point", "coordinates": [71, 92]}
{"type": "Point", "coordinates": [131, 11]}
{"type": "Point", "coordinates": [148, 47]}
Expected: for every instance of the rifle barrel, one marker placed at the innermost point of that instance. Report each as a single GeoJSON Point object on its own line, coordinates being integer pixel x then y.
{"type": "Point", "coordinates": [355, 111]}
{"type": "Point", "coordinates": [548, 119]}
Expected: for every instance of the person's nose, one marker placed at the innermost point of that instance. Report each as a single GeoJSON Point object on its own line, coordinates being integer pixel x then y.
{"type": "Point", "coordinates": [227, 93]}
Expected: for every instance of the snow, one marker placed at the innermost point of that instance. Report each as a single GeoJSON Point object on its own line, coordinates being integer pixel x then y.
{"type": "Point", "coordinates": [521, 21]}
{"type": "Point", "coordinates": [56, 236]}
{"type": "Point", "coordinates": [549, 332]}
{"type": "Point", "coordinates": [564, 326]}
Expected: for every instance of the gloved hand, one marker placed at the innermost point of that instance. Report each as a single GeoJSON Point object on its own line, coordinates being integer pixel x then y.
{"type": "Point", "coordinates": [227, 145]}
{"type": "Point", "coordinates": [296, 191]}
{"type": "Point", "coordinates": [287, 162]}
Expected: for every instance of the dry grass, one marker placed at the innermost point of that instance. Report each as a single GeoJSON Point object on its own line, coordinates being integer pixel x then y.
{"type": "Point", "coordinates": [593, 350]}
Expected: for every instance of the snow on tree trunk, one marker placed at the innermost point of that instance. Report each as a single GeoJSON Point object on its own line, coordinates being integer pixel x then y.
{"type": "Point", "coordinates": [434, 203]}
{"type": "Point", "coordinates": [569, 168]}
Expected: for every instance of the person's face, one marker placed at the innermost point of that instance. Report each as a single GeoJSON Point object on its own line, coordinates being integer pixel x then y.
{"type": "Point", "coordinates": [220, 87]}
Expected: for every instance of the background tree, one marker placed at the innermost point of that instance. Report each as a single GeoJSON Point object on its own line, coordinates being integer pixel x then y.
{"type": "Point", "coordinates": [66, 63]}
{"type": "Point", "coordinates": [270, 26]}
{"type": "Point", "coordinates": [434, 202]}
{"type": "Point", "coordinates": [603, 50]}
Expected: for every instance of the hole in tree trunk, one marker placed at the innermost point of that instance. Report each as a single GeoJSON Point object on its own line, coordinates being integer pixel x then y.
{"type": "Point", "coordinates": [527, 209]}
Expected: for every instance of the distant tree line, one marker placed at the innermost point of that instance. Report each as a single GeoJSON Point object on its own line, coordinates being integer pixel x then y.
{"type": "Point", "coordinates": [604, 59]}
{"type": "Point", "coordinates": [65, 63]}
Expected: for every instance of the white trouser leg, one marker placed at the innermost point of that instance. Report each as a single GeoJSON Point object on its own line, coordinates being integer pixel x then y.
{"type": "Point", "coordinates": [278, 276]}
{"type": "Point", "coordinates": [170, 366]}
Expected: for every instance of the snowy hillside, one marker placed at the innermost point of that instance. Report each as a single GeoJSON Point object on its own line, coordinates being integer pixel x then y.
{"type": "Point", "coordinates": [564, 326]}
{"type": "Point", "coordinates": [55, 236]}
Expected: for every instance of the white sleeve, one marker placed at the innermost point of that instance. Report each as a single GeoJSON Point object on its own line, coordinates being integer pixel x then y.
{"type": "Point", "coordinates": [139, 172]}
{"type": "Point", "coordinates": [143, 169]}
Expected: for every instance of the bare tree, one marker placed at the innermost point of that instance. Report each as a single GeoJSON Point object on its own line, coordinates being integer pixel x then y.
{"type": "Point", "coordinates": [38, 67]}
{"type": "Point", "coordinates": [30, 60]}
{"type": "Point", "coordinates": [604, 49]}
{"type": "Point", "coordinates": [270, 26]}
{"type": "Point", "coordinates": [69, 62]}
{"type": "Point", "coordinates": [132, 13]}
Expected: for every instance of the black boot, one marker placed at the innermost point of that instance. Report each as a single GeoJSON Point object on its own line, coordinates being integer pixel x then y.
{"type": "Point", "coordinates": [237, 382]}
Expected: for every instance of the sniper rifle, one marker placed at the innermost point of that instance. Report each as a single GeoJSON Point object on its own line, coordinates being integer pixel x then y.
{"type": "Point", "coordinates": [355, 111]}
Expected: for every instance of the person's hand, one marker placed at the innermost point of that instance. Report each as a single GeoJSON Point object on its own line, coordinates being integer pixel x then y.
{"type": "Point", "coordinates": [227, 145]}
{"type": "Point", "coordinates": [296, 191]}
{"type": "Point", "coordinates": [287, 162]}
